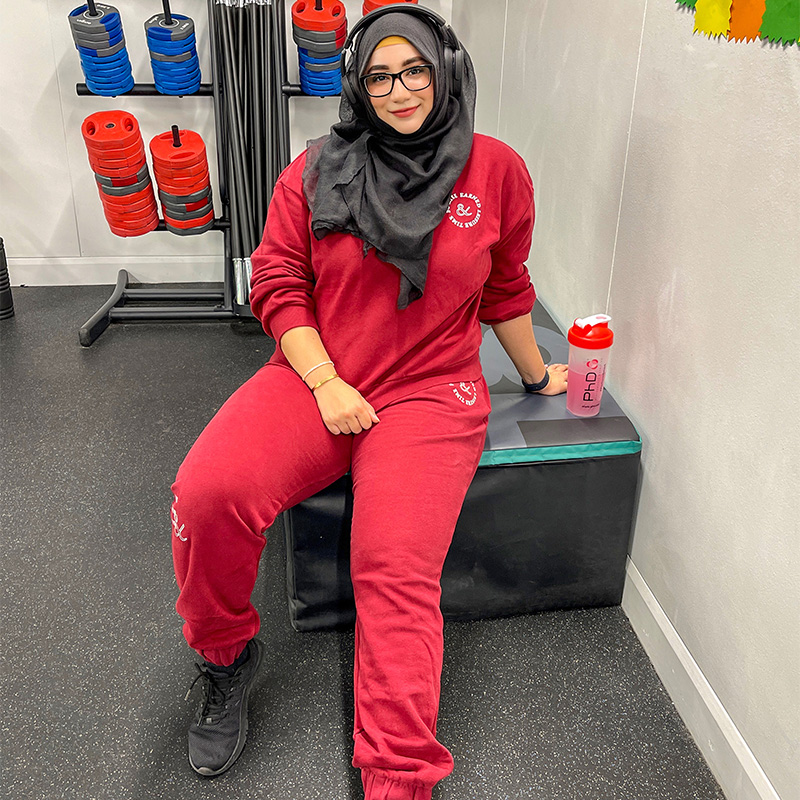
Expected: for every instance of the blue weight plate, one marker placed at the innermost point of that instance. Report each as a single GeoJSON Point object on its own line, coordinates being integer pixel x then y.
{"type": "Point", "coordinates": [313, 88]}
{"type": "Point", "coordinates": [118, 59]}
{"type": "Point", "coordinates": [103, 65]}
{"type": "Point", "coordinates": [172, 48]}
{"type": "Point", "coordinates": [112, 76]}
{"type": "Point", "coordinates": [178, 92]}
{"type": "Point", "coordinates": [110, 91]}
{"type": "Point", "coordinates": [80, 37]}
{"type": "Point", "coordinates": [108, 80]}
{"type": "Point", "coordinates": [319, 77]}
{"type": "Point", "coordinates": [177, 77]}
{"type": "Point", "coordinates": [176, 67]}
{"type": "Point", "coordinates": [318, 61]}
{"type": "Point", "coordinates": [327, 83]}
{"type": "Point", "coordinates": [320, 92]}
{"type": "Point", "coordinates": [174, 86]}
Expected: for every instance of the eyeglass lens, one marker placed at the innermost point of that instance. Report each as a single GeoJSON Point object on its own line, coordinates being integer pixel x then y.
{"type": "Point", "coordinates": [414, 79]}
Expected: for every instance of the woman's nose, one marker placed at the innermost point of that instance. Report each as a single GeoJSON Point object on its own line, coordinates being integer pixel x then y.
{"type": "Point", "coordinates": [399, 91]}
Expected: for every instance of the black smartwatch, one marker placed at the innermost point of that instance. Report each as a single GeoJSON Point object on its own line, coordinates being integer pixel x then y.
{"type": "Point", "coordinates": [537, 387]}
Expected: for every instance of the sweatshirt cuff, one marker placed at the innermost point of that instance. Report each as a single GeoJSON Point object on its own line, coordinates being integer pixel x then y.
{"type": "Point", "coordinates": [289, 317]}
{"type": "Point", "coordinates": [516, 306]}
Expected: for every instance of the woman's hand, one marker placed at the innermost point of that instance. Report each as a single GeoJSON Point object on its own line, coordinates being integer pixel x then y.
{"type": "Point", "coordinates": [558, 380]}
{"type": "Point", "coordinates": [343, 409]}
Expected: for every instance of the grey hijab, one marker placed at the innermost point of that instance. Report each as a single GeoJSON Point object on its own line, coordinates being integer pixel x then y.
{"type": "Point", "coordinates": [391, 190]}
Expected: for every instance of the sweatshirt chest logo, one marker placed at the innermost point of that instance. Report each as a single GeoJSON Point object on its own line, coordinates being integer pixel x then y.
{"type": "Point", "coordinates": [465, 392]}
{"type": "Point", "coordinates": [464, 210]}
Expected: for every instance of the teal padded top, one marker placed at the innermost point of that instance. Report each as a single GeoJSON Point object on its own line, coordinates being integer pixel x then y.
{"type": "Point", "coordinates": [527, 428]}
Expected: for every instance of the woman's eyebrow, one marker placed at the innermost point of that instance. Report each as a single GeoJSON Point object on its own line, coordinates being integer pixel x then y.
{"type": "Point", "coordinates": [385, 67]}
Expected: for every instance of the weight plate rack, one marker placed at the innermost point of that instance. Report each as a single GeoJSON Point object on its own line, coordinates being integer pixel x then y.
{"type": "Point", "coordinates": [247, 40]}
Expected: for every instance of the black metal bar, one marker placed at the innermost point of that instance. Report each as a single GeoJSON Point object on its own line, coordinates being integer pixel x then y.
{"type": "Point", "coordinates": [100, 320]}
{"type": "Point", "coordinates": [172, 294]}
{"type": "Point", "coordinates": [92, 8]}
{"type": "Point", "coordinates": [167, 13]}
{"type": "Point", "coordinates": [146, 90]}
{"type": "Point", "coordinates": [6, 298]}
{"type": "Point", "coordinates": [153, 313]}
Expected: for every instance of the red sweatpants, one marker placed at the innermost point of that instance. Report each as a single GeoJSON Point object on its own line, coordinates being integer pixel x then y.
{"type": "Point", "coordinates": [266, 450]}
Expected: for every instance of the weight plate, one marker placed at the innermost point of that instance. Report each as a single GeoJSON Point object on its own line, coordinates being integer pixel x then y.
{"type": "Point", "coordinates": [128, 147]}
{"type": "Point", "coordinates": [339, 35]}
{"type": "Point", "coordinates": [177, 86]}
{"type": "Point", "coordinates": [172, 48]}
{"type": "Point", "coordinates": [321, 69]}
{"type": "Point", "coordinates": [323, 82]}
{"type": "Point", "coordinates": [135, 205]}
{"type": "Point", "coordinates": [132, 221]}
{"type": "Point", "coordinates": [205, 205]}
{"type": "Point", "coordinates": [122, 180]}
{"type": "Point", "coordinates": [124, 191]}
{"type": "Point", "coordinates": [105, 15]}
{"type": "Point", "coordinates": [184, 187]}
{"type": "Point", "coordinates": [191, 150]}
{"type": "Point", "coordinates": [182, 172]}
{"type": "Point", "coordinates": [104, 53]}
{"type": "Point", "coordinates": [100, 41]}
{"type": "Point", "coordinates": [177, 81]}
{"type": "Point", "coordinates": [191, 231]}
{"type": "Point", "coordinates": [317, 49]}
{"type": "Point", "coordinates": [329, 60]}
{"type": "Point", "coordinates": [178, 59]}
{"type": "Point", "coordinates": [111, 61]}
{"type": "Point", "coordinates": [96, 31]}
{"type": "Point", "coordinates": [189, 216]}
{"type": "Point", "coordinates": [178, 74]}
{"type": "Point", "coordinates": [112, 75]}
{"type": "Point", "coordinates": [157, 28]}
{"type": "Point", "coordinates": [190, 223]}
{"type": "Point", "coordinates": [310, 90]}
{"type": "Point", "coordinates": [168, 197]}
{"type": "Point", "coordinates": [133, 227]}
{"type": "Point", "coordinates": [111, 129]}
{"type": "Point", "coordinates": [116, 167]}
{"type": "Point", "coordinates": [305, 15]}
{"type": "Point", "coordinates": [116, 91]}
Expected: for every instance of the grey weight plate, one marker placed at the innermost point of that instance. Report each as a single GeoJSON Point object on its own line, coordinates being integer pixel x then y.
{"type": "Point", "coordinates": [106, 181]}
{"type": "Point", "coordinates": [174, 59]}
{"type": "Point", "coordinates": [323, 68]}
{"type": "Point", "coordinates": [157, 27]}
{"type": "Point", "coordinates": [189, 231]}
{"type": "Point", "coordinates": [181, 208]}
{"type": "Point", "coordinates": [121, 191]}
{"type": "Point", "coordinates": [317, 36]}
{"type": "Point", "coordinates": [107, 51]}
{"type": "Point", "coordinates": [183, 216]}
{"type": "Point", "coordinates": [196, 197]}
{"type": "Point", "coordinates": [318, 49]}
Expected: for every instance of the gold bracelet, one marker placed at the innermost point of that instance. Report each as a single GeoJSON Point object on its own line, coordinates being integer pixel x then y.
{"type": "Point", "coordinates": [324, 380]}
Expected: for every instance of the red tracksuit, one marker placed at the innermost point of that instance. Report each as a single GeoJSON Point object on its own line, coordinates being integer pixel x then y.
{"type": "Point", "coordinates": [267, 448]}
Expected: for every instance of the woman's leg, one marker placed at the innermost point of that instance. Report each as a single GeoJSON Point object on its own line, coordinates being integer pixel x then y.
{"type": "Point", "coordinates": [265, 450]}
{"type": "Point", "coordinates": [410, 474]}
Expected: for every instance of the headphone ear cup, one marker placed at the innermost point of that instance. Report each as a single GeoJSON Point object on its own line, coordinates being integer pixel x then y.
{"type": "Point", "coordinates": [458, 71]}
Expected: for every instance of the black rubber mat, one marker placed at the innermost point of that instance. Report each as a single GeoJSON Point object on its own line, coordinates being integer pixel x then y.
{"type": "Point", "coordinates": [554, 706]}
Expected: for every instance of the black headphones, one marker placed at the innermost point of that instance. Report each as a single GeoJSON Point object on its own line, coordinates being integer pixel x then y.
{"type": "Point", "coordinates": [453, 52]}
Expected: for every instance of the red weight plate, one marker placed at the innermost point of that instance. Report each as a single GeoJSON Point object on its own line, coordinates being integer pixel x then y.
{"type": "Point", "coordinates": [338, 36]}
{"type": "Point", "coordinates": [305, 15]}
{"type": "Point", "coordinates": [132, 219]}
{"type": "Point", "coordinates": [189, 223]}
{"type": "Point", "coordinates": [132, 198]}
{"type": "Point", "coordinates": [117, 167]}
{"type": "Point", "coordinates": [184, 188]}
{"type": "Point", "coordinates": [121, 181]}
{"type": "Point", "coordinates": [140, 209]}
{"type": "Point", "coordinates": [128, 151]}
{"type": "Point", "coordinates": [126, 233]}
{"type": "Point", "coordinates": [179, 179]}
{"type": "Point", "coordinates": [190, 151]}
{"type": "Point", "coordinates": [183, 172]}
{"type": "Point", "coordinates": [110, 129]}
{"type": "Point", "coordinates": [139, 225]}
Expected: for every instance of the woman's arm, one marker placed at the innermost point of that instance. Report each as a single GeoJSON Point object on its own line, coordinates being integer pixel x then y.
{"type": "Point", "coordinates": [518, 340]}
{"type": "Point", "coordinates": [343, 409]}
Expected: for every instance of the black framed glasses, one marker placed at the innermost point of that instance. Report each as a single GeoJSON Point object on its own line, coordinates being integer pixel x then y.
{"type": "Point", "coordinates": [415, 79]}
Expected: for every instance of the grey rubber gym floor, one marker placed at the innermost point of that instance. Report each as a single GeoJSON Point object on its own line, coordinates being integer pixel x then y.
{"type": "Point", "coordinates": [554, 706]}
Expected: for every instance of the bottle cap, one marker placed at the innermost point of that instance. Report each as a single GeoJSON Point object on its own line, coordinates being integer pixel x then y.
{"type": "Point", "coordinates": [591, 333]}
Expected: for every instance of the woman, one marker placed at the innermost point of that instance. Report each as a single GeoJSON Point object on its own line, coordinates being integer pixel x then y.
{"type": "Point", "coordinates": [386, 243]}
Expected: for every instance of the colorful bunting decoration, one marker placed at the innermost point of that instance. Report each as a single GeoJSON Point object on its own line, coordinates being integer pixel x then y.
{"type": "Point", "coordinates": [747, 20]}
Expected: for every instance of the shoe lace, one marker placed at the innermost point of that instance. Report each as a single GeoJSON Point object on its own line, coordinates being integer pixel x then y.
{"type": "Point", "coordinates": [216, 689]}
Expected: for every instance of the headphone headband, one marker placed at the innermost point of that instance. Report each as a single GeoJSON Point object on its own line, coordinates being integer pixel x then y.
{"type": "Point", "coordinates": [453, 53]}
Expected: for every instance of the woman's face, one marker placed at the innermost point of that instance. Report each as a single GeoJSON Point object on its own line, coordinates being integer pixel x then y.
{"type": "Point", "coordinates": [403, 109]}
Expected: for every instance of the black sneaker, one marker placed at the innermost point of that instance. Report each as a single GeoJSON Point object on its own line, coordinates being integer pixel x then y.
{"type": "Point", "coordinates": [219, 729]}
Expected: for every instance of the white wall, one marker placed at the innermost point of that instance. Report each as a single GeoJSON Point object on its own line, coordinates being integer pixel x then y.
{"type": "Point", "coordinates": [688, 234]}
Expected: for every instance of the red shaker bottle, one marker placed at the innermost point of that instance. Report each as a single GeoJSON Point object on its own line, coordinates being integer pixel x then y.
{"type": "Point", "coordinates": [590, 342]}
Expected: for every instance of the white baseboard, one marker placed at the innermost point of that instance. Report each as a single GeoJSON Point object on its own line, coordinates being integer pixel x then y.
{"type": "Point", "coordinates": [101, 271]}
{"type": "Point", "coordinates": [730, 759]}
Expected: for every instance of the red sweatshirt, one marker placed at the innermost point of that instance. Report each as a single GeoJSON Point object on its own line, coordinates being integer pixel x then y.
{"type": "Point", "coordinates": [476, 272]}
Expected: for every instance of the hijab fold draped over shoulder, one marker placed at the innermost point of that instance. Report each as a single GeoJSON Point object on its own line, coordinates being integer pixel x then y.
{"type": "Point", "coordinates": [392, 190]}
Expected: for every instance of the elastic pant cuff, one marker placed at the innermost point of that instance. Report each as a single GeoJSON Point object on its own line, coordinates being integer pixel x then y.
{"type": "Point", "coordinates": [379, 787]}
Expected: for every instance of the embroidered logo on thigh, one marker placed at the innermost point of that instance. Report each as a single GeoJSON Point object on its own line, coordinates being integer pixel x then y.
{"type": "Point", "coordinates": [175, 529]}
{"type": "Point", "coordinates": [465, 392]}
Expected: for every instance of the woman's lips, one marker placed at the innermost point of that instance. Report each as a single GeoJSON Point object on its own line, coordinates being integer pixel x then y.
{"type": "Point", "coordinates": [404, 112]}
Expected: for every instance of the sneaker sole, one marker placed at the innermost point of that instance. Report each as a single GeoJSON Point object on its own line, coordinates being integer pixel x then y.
{"type": "Point", "coordinates": [207, 772]}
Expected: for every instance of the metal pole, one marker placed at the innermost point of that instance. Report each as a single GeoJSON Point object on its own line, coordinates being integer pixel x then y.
{"type": "Point", "coordinates": [6, 298]}
{"type": "Point", "coordinates": [258, 141]}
